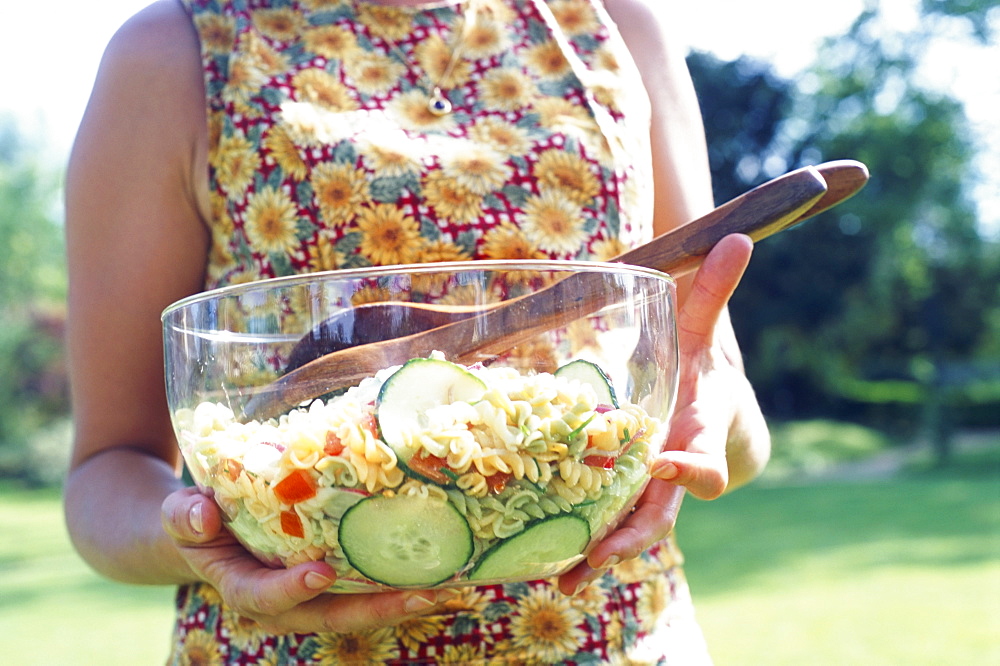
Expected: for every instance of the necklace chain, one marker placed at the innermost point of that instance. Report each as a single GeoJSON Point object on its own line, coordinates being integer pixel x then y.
{"type": "Point", "coordinates": [438, 103]}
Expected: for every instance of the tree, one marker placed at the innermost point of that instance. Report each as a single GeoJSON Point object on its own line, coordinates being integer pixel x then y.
{"type": "Point", "coordinates": [860, 313]}
{"type": "Point", "coordinates": [33, 391]}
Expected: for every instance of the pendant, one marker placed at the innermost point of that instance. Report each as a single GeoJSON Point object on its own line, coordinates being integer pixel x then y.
{"type": "Point", "coordinates": [438, 104]}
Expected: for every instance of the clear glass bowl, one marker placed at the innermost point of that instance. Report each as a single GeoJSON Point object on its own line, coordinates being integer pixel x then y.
{"type": "Point", "coordinates": [499, 449]}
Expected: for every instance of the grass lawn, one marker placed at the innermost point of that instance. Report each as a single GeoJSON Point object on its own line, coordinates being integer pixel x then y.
{"type": "Point", "coordinates": [54, 610]}
{"type": "Point", "coordinates": [900, 571]}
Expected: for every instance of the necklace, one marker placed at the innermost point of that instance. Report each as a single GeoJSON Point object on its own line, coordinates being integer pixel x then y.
{"type": "Point", "coordinates": [437, 102]}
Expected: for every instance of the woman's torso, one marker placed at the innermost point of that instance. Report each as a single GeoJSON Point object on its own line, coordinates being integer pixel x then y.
{"type": "Point", "coordinates": [323, 154]}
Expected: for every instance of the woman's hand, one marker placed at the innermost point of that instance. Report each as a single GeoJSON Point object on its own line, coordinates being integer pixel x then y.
{"type": "Point", "coordinates": [281, 600]}
{"type": "Point", "coordinates": [712, 393]}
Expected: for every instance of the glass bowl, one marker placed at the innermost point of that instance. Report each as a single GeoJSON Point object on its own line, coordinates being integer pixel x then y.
{"type": "Point", "coordinates": [499, 448]}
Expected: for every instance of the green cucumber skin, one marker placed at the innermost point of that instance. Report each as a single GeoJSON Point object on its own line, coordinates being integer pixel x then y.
{"type": "Point", "coordinates": [502, 560]}
{"type": "Point", "coordinates": [395, 389]}
{"type": "Point", "coordinates": [368, 546]}
{"type": "Point", "coordinates": [590, 373]}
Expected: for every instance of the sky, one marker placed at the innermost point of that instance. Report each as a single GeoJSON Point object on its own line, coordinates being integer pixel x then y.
{"type": "Point", "coordinates": [45, 83]}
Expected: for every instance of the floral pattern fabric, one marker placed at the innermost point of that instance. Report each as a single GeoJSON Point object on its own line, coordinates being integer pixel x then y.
{"type": "Point", "coordinates": [323, 154]}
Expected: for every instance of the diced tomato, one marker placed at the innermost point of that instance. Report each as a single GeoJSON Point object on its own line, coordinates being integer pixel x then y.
{"type": "Point", "coordinates": [334, 447]}
{"type": "Point", "coordinates": [291, 524]}
{"type": "Point", "coordinates": [232, 468]}
{"type": "Point", "coordinates": [368, 422]}
{"type": "Point", "coordinates": [607, 462]}
{"type": "Point", "coordinates": [497, 482]}
{"type": "Point", "coordinates": [430, 467]}
{"type": "Point", "coordinates": [296, 487]}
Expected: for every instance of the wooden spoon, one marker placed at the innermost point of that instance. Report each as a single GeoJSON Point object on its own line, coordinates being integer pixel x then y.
{"type": "Point", "coordinates": [323, 362]}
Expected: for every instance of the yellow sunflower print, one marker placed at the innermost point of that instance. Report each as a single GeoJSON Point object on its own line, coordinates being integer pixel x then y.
{"type": "Point", "coordinates": [506, 89]}
{"type": "Point", "coordinates": [547, 623]}
{"type": "Point", "coordinates": [271, 219]}
{"type": "Point", "coordinates": [554, 222]}
{"type": "Point", "coordinates": [331, 41]}
{"type": "Point", "coordinates": [508, 241]}
{"type": "Point", "coordinates": [502, 135]}
{"type": "Point", "coordinates": [323, 89]}
{"type": "Point", "coordinates": [548, 61]}
{"type": "Point", "coordinates": [340, 190]}
{"type": "Point", "coordinates": [218, 33]}
{"type": "Point", "coordinates": [374, 73]}
{"type": "Point", "coordinates": [450, 199]}
{"type": "Point", "coordinates": [236, 161]}
{"type": "Point", "coordinates": [285, 152]}
{"type": "Point", "coordinates": [370, 647]}
{"type": "Point", "coordinates": [389, 236]}
{"type": "Point", "coordinates": [576, 17]}
{"type": "Point", "coordinates": [281, 24]}
{"type": "Point", "coordinates": [478, 168]}
{"type": "Point", "coordinates": [569, 173]}
{"type": "Point", "coordinates": [200, 649]}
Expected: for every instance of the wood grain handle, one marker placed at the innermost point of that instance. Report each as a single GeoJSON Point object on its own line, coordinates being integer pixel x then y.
{"type": "Point", "coordinates": [759, 213]}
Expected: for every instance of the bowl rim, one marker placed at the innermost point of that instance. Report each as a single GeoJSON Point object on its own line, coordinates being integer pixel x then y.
{"type": "Point", "coordinates": [574, 265]}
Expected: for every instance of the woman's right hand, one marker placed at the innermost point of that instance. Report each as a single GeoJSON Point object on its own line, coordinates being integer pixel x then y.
{"type": "Point", "coordinates": [280, 600]}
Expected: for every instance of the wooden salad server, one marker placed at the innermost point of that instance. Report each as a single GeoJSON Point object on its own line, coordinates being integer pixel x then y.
{"type": "Point", "coordinates": [321, 363]}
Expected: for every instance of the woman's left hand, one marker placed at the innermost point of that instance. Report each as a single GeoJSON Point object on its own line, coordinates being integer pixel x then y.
{"type": "Point", "coordinates": [711, 393]}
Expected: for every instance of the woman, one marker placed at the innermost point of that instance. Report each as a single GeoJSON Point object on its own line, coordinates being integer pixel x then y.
{"type": "Point", "coordinates": [213, 152]}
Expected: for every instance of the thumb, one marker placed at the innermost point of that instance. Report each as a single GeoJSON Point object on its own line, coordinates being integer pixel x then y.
{"type": "Point", "coordinates": [189, 516]}
{"type": "Point", "coordinates": [713, 285]}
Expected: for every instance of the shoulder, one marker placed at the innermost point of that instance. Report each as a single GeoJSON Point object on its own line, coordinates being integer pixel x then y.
{"type": "Point", "coordinates": [652, 38]}
{"type": "Point", "coordinates": [162, 34]}
{"type": "Point", "coordinates": [145, 122]}
{"type": "Point", "coordinates": [646, 21]}
{"type": "Point", "coordinates": [150, 79]}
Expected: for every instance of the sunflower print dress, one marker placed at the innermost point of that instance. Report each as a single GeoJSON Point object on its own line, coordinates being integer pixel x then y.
{"type": "Point", "coordinates": [324, 154]}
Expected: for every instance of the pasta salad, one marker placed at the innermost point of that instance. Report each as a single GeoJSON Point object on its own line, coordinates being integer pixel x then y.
{"type": "Point", "coordinates": [430, 474]}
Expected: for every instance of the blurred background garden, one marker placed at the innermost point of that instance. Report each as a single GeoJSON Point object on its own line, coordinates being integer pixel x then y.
{"type": "Point", "coordinates": [872, 334]}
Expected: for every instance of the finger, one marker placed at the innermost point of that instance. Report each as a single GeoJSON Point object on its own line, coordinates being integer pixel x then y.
{"type": "Point", "coordinates": [713, 285]}
{"type": "Point", "coordinates": [652, 520]}
{"type": "Point", "coordinates": [576, 579]}
{"type": "Point", "coordinates": [704, 476]}
{"type": "Point", "coordinates": [346, 613]}
{"type": "Point", "coordinates": [262, 593]}
{"type": "Point", "coordinates": [190, 517]}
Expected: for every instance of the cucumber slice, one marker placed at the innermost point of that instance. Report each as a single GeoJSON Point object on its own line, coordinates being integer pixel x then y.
{"type": "Point", "coordinates": [406, 541]}
{"type": "Point", "coordinates": [541, 550]}
{"type": "Point", "coordinates": [590, 373]}
{"type": "Point", "coordinates": [409, 392]}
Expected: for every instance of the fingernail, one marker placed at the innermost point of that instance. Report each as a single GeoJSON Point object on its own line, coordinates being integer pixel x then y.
{"type": "Point", "coordinates": [419, 602]}
{"type": "Point", "coordinates": [581, 587]}
{"type": "Point", "coordinates": [195, 519]}
{"type": "Point", "coordinates": [665, 471]}
{"type": "Point", "coordinates": [317, 581]}
{"type": "Point", "coordinates": [610, 562]}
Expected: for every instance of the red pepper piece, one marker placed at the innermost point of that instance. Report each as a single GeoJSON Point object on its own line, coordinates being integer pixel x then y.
{"type": "Point", "coordinates": [334, 446]}
{"type": "Point", "coordinates": [296, 487]}
{"type": "Point", "coordinates": [291, 524]}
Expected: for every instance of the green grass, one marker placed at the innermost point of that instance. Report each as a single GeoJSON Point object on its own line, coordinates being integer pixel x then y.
{"type": "Point", "coordinates": [54, 610]}
{"type": "Point", "coordinates": [897, 571]}
{"type": "Point", "coordinates": [901, 571]}
{"type": "Point", "coordinates": [803, 447]}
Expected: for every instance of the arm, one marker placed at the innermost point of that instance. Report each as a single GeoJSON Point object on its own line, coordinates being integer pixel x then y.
{"type": "Point", "coordinates": [718, 439]}
{"type": "Point", "coordinates": [136, 201]}
{"type": "Point", "coordinates": [136, 242]}
{"type": "Point", "coordinates": [683, 191]}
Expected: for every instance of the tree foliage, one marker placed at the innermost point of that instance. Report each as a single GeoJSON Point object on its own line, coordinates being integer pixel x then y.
{"type": "Point", "coordinates": [875, 308]}
{"type": "Point", "coordinates": [33, 394]}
